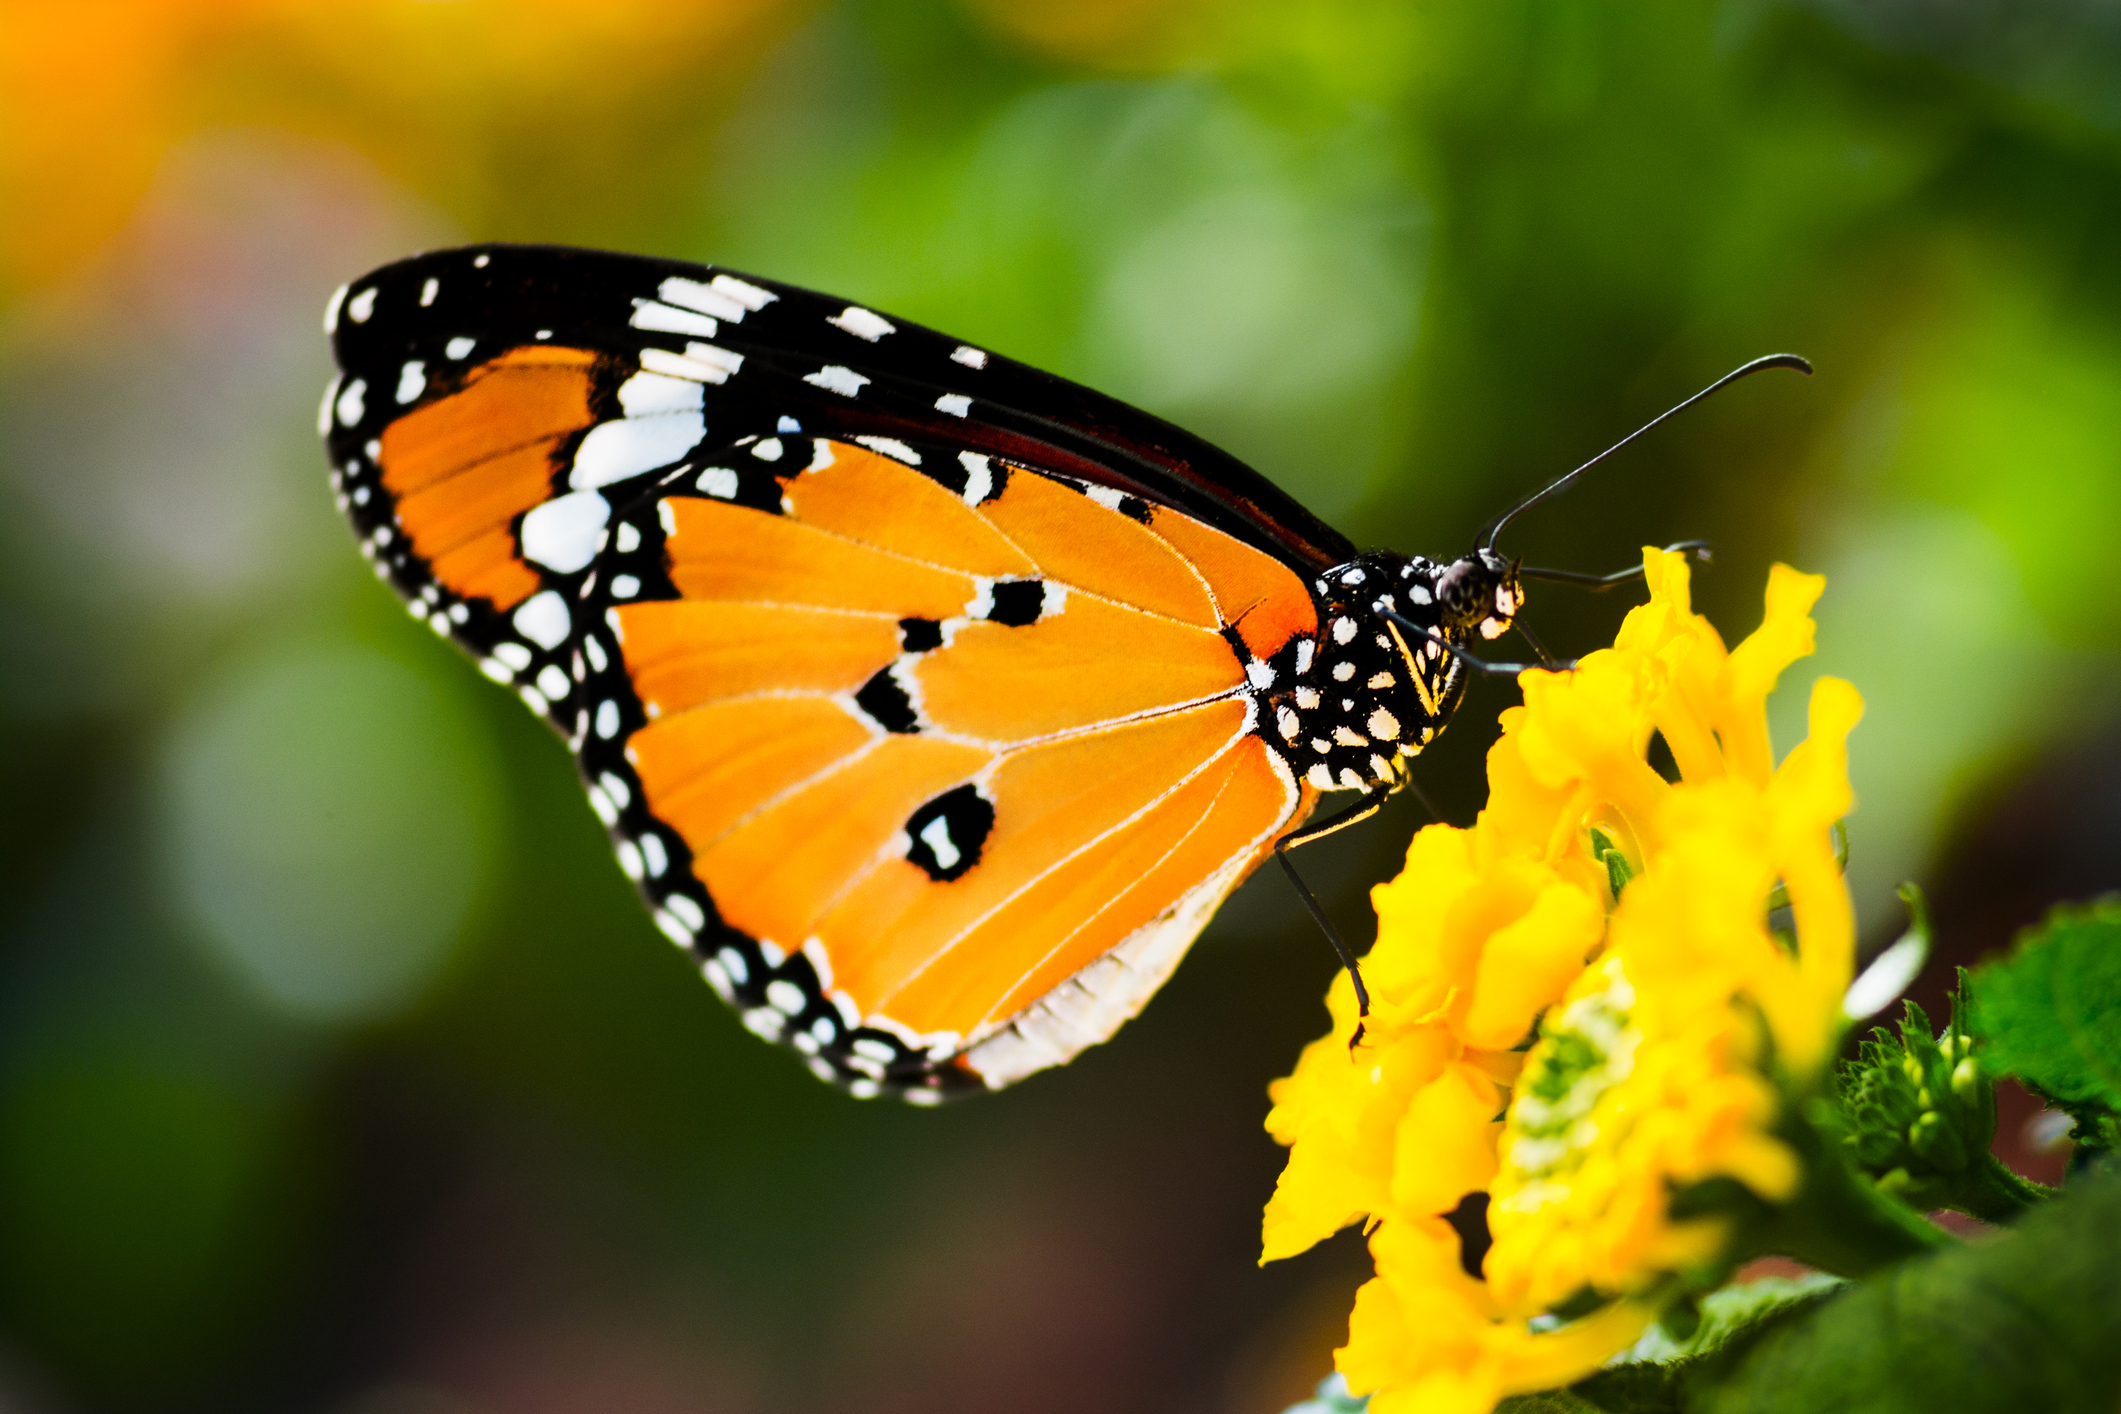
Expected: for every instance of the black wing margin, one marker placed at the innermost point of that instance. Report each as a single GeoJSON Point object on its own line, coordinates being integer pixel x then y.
{"type": "Point", "coordinates": [785, 354]}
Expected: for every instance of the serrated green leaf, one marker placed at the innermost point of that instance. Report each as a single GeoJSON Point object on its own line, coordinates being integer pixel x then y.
{"type": "Point", "coordinates": [2031, 1320]}
{"type": "Point", "coordinates": [2050, 1013]}
{"type": "Point", "coordinates": [1658, 1375]}
{"type": "Point", "coordinates": [1551, 1401]}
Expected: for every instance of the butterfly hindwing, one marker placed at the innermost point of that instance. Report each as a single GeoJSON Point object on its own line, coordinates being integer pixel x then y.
{"type": "Point", "coordinates": [957, 751]}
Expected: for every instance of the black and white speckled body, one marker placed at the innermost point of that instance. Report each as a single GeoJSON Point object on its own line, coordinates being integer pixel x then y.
{"type": "Point", "coordinates": [1348, 707]}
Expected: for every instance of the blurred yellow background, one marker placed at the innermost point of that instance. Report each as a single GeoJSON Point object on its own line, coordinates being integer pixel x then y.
{"type": "Point", "coordinates": [339, 1069]}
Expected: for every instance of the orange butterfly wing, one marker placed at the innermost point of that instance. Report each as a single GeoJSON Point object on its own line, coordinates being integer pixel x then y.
{"type": "Point", "coordinates": [967, 769]}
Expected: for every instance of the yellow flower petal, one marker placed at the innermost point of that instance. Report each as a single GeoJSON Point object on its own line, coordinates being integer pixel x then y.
{"type": "Point", "coordinates": [1445, 1148]}
{"type": "Point", "coordinates": [1784, 636]}
{"type": "Point", "coordinates": [1526, 964]}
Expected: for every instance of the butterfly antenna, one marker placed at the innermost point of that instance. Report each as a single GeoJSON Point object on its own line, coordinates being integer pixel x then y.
{"type": "Point", "coordinates": [1486, 540]}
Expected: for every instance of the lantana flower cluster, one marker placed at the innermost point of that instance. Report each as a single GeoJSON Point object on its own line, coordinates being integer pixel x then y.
{"type": "Point", "coordinates": [1579, 1012]}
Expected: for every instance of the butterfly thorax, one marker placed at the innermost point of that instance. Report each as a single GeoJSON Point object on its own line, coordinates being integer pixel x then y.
{"type": "Point", "coordinates": [1362, 696]}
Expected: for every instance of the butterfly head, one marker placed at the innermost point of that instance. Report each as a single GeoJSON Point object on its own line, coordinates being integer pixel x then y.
{"type": "Point", "coordinates": [1477, 595]}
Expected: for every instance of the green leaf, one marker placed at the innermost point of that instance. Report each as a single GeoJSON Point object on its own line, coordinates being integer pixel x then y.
{"type": "Point", "coordinates": [1552, 1401]}
{"type": "Point", "coordinates": [1606, 850]}
{"type": "Point", "coordinates": [1658, 1375]}
{"type": "Point", "coordinates": [2030, 1320]}
{"type": "Point", "coordinates": [2050, 1013]}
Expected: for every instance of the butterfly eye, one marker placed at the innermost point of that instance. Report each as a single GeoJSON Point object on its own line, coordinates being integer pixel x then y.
{"type": "Point", "coordinates": [1462, 590]}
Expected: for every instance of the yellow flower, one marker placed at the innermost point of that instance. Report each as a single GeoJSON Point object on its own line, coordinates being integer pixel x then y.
{"type": "Point", "coordinates": [1575, 1056]}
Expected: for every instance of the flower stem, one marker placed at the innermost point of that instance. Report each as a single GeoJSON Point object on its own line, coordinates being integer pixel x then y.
{"type": "Point", "coordinates": [1995, 1192]}
{"type": "Point", "coordinates": [1841, 1222]}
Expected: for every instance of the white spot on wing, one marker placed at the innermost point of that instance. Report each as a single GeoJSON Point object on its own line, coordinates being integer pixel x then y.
{"type": "Point", "coordinates": [702, 363]}
{"type": "Point", "coordinates": [543, 619]}
{"type": "Point", "coordinates": [834, 378]}
{"type": "Point", "coordinates": [331, 392]}
{"type": "Point", "coordinates": [562, 534]}
{"type": "Point", "coordinates": [461, 345]}
{"type": "Point", "coordinates": [684, 907]}
{"type": "Point", "coordinates": [718, 481]}
{"type": "Point", "coordinates": [891, 447]}
{"type": "Point", "coordinates": [633, 444]}
{"type": "Point", "coordinates": [863, 323]}
{"type": "Point", "coordinates": [669, 319]}
{"type": "Point", "coordinates": [647, 393]}
{"type": "Point", "coordinates": [331, 311]}
{"type": "Point", "coordinates": [979, 477]}
{"type": "Point", "coordinates": [412, 381]}
{"type": "Point", "coordinates": [703, 299]}
{"type": "Point", "coordinates": [362, 305]}
{"type": "Point", "coordinates": [968, 356]}
{"type": "Point", "coordinates": [956, 404]}
{"type": "Point", "coordinates": [351, 402]}
{"type": "Point", "coordinates": [600, 802]}
{"type": "Point", "coordinates": [428, 291]}
{"type": "Point", "coordinates": [936, 835]}
{"type": "Point", "coordinates": [748, 295]}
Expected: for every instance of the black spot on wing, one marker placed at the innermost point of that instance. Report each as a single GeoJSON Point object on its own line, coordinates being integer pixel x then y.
{"type": "Point", "coordinates": [920, 635]}
{"type": "Point", "coordinates": [1017, 602]}
{"type": "Point", "coordinates": [948, 832]}
{"type": "Point", "coordinates": [884, 698]}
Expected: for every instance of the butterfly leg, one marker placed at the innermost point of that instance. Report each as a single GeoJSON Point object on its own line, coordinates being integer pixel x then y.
{"type": "Point", "coordinates": [1546, 659]}
{"type": "Point", "coordinates": [1699, 549]}
{"type": "Point", "coordinates": [1361, 810]}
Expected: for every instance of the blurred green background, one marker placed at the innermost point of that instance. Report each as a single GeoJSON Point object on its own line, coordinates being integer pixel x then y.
{"type": "Point", "coordinates": [339, 1069]}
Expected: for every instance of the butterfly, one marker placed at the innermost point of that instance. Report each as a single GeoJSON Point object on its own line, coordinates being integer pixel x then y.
{"type": "Point", "coordinates": [933, 702]}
